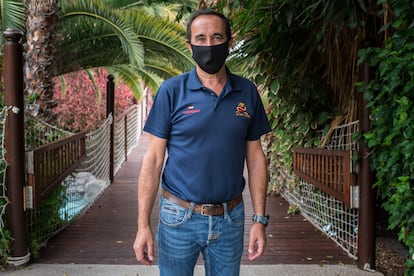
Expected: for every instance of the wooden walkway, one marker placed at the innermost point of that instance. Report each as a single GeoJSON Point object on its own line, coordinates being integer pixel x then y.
{"type": "Point", "coordinates": [105, 234]}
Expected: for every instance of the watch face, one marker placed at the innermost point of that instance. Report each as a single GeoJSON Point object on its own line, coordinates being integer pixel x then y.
{"type": "Point", "coordinates": [261, 219]}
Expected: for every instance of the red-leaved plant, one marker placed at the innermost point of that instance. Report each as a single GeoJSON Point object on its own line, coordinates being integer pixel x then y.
{"type": "Point", "coordinates": [82, 107]}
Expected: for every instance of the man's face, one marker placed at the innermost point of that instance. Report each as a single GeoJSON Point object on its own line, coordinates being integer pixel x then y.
{"type": "Point", "coordinates": [207, 30]}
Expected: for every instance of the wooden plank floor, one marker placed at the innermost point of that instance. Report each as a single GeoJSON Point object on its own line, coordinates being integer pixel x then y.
{"type": "Point", "coordinates": [105, 234]}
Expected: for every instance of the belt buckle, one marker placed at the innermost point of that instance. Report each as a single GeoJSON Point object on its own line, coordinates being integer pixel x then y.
{"type": "Point", "coordinates": [206, 206]}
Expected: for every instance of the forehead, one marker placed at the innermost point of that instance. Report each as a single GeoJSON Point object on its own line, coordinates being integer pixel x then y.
{"type": "Point", "coordinates": [207, 25]}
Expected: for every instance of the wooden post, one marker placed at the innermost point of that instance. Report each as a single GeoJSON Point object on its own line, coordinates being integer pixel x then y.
{"type": "Point", "coordinates": [110, 110]}
{"type": "Point", "coordinates": [126, 130]}
{"type": "Point", "coordinates": [366, 221]}
{"type": "Point", "coordinates": [14, 145]}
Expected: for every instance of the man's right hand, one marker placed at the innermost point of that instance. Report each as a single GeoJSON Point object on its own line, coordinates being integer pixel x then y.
{"type": "Point", "coordinates": [144, 246]}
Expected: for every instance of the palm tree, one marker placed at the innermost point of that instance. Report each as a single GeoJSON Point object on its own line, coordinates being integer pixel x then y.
{"type": "Point", "coordinates": [137, 43]}
{"type": "Point", "coordinates": [133, 43]}
{"type": "Point", "coordinates": [41, 23]}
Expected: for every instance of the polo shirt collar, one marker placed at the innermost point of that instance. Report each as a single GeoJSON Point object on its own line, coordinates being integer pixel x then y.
{"type": "Point", "coordinates": [231, 86]}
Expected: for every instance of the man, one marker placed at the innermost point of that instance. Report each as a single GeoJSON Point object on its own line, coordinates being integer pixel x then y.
{"type": "Point", "coordinates": [211, 122]}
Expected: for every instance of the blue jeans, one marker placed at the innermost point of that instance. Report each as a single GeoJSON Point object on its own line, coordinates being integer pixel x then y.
{"type": "Point", "coordinates": [184, 234]}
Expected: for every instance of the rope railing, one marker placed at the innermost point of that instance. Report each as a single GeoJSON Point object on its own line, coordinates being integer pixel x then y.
{"type": "Point", "coordinates": [125, 140]}
{"type": "Point", "coordinates": [97, 151]}
{"type": "Point", "coordinates": [57, 209]}
{"type": "Point", "coordinates": [39, 133]}
{"type": "Point", "coordinates": [81, 189]}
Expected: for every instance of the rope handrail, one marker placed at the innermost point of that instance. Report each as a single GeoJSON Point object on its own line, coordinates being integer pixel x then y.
{"type": "Point", "coordinates": [81, 189]}
{"type": "Point", "coordinates": [39, 133]}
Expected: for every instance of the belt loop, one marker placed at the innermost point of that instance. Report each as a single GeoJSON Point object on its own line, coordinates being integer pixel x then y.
{"type": "Point", "coordinates": [190, 210]}
{"type": "Point", "coordinates": [225, 210]}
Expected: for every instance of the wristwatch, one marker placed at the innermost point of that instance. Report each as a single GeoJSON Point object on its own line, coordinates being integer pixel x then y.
{"type": "Point", "coordinates": [261, 219]}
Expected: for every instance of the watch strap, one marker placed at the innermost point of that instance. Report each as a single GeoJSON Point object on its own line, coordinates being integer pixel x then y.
{"type": "Point", "coordinates": [261, 219]}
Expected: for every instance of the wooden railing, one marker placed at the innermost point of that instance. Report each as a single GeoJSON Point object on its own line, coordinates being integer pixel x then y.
{"type": "Point", "coordinates": [328, 170]}
{"type": "Point", "coordinates": [49, 165]}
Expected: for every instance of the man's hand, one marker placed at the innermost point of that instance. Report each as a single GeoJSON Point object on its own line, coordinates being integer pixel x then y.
{"type": "Point", "coordinates": [257, 241]}
{"type": "Point", "coordinates": [144, 246]}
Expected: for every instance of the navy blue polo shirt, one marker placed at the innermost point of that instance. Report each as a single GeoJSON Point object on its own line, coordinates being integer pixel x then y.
{"type": "Point", "coordinates": [206, 135]}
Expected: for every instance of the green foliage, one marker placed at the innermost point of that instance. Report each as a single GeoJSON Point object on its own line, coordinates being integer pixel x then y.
{"type": "Point", "coordinates": [287, 48]}
{"type": "Point", "coordinates": [99, 25]}
{"type": "Point", "coordinates": [5, 235]}
{"type": "Point", "coordinates": [390, 99]}
{"type": "Point", "coordinates": [47, 220]}
{"type": "Point", "coordinates": [141, 44]}
{"type": "Point", "coordinates": [182, 8]}
{"type": "Point", "coordinates": [11, 16]}
{"type": "Point", "coordinates": [281, 52]}
{"type": "Point", "coordinates": [293, 209]}
{"type": "Point", "coordinates": [5, 239]}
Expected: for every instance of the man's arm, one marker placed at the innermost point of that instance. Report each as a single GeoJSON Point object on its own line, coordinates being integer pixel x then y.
{"type": "Point", "coordinates": [148, 185]}
{"type": "Point", "coordinates": [258, 178]}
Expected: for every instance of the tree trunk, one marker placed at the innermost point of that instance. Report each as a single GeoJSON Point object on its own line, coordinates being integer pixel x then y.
{"type": "Point", "coordinates": [42, 17]}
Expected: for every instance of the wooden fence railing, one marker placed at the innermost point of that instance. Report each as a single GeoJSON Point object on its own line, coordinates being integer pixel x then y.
{"type": "Point", "coordinates": [49, 165]}
{"type": "Point", "coordinates": [328, 170]}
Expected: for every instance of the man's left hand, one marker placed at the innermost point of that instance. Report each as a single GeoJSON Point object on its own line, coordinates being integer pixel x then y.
{"type": "Point", "coordinates": [257, 241]}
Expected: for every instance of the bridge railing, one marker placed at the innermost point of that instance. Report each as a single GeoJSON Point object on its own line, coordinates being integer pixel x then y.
{"type": "Point", "coordinates": [80, 177]}
{"type": "Point", "coordinates": [327, 170]}
{"type": "Point", "coordinates": [47, 166]}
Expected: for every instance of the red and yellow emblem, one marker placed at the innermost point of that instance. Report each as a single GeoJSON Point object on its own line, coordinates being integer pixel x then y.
{"type": "Point", "coordinates": [241, 110]}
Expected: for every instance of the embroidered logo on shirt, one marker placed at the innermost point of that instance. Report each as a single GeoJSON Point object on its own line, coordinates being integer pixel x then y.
{"type": "Point", "coordinates": [241, 111]}
{"type": "Point", "coordinates": [190, 109]}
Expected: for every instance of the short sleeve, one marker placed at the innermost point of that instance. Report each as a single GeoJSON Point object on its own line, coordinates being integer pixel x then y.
{"type": "Point", "coordinates": [260, 124]}
{"type": "Point", "coordinates": [159, 118]}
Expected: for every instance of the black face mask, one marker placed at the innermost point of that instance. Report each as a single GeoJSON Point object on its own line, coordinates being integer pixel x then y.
{"type": "Point", "coordinates": [210, 58]}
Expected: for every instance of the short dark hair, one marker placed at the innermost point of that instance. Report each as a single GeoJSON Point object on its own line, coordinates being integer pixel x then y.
{"type": "Point", "coordinates": [208, 11]}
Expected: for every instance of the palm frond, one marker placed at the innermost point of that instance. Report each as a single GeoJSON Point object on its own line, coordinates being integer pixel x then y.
{"type": "Point", "coordinates": [125, 4]}
{"type": "Point", "coordinates": [87, 46]}
{"type": "Point", "coordinates": [136, 78]}
{"type": "Point", "coordinates": [63, 85]}
{"type": "Point", "coordinates": [151, 79]}
{"type": "Point", "coordinates": [12, 16]}
{"type": "Point", "coordinates": [162, 67]}
{"type": "Point", "coordinates": [87, 42]}
{"type": "Point", "coordinates": [162, 37]}
{"type": "Point", "coordinates": [107, 18]}
{"type": "Point", "coordinates": [129, 76]}
{"type": "Point", "coordinates": [98, 91]}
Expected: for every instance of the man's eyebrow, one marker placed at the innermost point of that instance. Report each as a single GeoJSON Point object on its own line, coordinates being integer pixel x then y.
{"type": "Point", "coordinates": [203, 35]}
{"type": "Point", "coordinates": [199, 36]}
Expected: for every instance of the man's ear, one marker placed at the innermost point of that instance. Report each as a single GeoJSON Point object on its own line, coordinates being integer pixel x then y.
{"type": "Point", "coordinates": [231, 41]}
{"type": "Point", "coordinates": [189, 46]}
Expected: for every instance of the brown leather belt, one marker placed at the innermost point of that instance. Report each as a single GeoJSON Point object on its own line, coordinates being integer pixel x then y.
{"type": "Point", "coordinates": [204, 209]}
